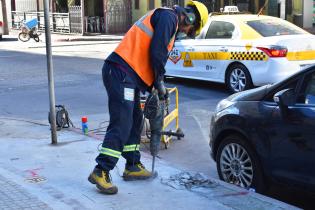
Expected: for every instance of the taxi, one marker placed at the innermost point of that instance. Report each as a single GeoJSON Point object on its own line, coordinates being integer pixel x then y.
{"type": "Point", "coordinates": [242, 51]}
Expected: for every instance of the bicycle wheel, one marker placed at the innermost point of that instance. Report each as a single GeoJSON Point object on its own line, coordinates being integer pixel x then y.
{"type": "Point", "coordinates": [36, 38]}
{"type": "Point", "coordinates": [24, 37]}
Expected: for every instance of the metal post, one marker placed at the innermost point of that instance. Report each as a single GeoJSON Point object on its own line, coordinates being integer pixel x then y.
{"type": "Point", "coordinates": [5, 18]}
{"type": "Point", "coordinates": [50, 74]}
{"type": "Point", "coordinates": [82, 17]}
{"type": "Point", "coordinates": [69, 18]}
{"type": "Point", "coordinates": [105, 16]}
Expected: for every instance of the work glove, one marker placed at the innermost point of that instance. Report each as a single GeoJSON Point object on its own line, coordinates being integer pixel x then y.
{"type": "Point", "coordinates": [152, 106]}
{"type": "Point", "coordinates": [162, 91]}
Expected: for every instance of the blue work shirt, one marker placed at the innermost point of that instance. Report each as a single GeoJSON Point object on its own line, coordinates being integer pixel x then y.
{"type": "Point", "coordinates": [164, 23]}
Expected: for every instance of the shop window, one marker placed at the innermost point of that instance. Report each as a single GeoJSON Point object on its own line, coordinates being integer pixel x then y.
{"type": "Point", "coordinates": [297, 6]}
{"type": "Point", "coordinates": [137, 4]}
{"type": "Point", "coordinates": [171, 3]}
{"type": "Point", "coordinates": [288, 7]}
{"type": "Point", "coordinates": [150, 4]}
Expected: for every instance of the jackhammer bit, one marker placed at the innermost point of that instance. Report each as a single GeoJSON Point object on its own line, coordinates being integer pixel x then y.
{"type": "Point", "coordinates": [154, 111]}
{"type": "Point", "coordinates": [156, 126]}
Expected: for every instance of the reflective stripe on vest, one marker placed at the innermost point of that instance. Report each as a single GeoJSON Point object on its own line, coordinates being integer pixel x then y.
{"type": "Point", "coordinates": [135, 47]}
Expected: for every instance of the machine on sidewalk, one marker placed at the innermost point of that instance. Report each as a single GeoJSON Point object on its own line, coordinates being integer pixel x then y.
{"type": "Point", "coordinates": [156, 111]}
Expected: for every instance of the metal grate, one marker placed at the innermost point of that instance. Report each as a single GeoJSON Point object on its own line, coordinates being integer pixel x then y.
{"type": "Point", "coordinates": [59, 22]}
{"type": "Point", "coordinates": [117, 16]}
{"type": "Point", "coordinates": [75, 19]}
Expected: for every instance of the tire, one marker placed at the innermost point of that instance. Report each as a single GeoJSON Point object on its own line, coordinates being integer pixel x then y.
{"type": "Point", "coordinates": [0, 37]}
{"type": "Point", "coordinates": [24, 37]}
{"type": "Point", "coordinates": [238, 164]}
{"type": "Point", "coordinates": [238, 78]}
{"type": "Point", "coordinates": [36, 38]}
{"type": "Point", "coordinates": [179, 131]}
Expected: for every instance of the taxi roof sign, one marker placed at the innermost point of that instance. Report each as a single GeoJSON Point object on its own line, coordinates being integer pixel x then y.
{"type": "Point", "coordinates": [228, 9]}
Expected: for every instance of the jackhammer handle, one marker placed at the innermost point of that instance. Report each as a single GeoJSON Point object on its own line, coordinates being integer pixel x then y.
{"type": "Point", "coordinates": [170, 133]}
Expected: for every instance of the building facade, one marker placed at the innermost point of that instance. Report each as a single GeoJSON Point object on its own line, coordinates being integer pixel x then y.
{"type": "Point", "coordinates": [299, 12]}
{"type": "Point", "coordinates": [116, 16]}
{"type": "Point", "coordinates": [92, 16]}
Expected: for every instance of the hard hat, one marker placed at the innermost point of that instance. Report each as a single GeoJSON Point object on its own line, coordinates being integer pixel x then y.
{"type": "Point", "coordinates": [202, 14]}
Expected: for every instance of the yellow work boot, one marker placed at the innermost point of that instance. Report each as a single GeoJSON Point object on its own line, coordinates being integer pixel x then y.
{"type": "Point", "coordinates": [136, 172]}
{"type": "Point", "coordinates": [102, 180]}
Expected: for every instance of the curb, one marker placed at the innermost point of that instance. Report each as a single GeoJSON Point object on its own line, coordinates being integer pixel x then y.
{"type": "Point", "coordinates": [85, 39]}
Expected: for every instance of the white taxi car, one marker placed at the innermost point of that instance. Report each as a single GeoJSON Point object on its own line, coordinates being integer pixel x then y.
{"type": "Point", "coordinates": [242, 51]}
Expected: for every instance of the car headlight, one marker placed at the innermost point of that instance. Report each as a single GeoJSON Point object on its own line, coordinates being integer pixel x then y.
{"type": "Point", "coordinates": [224, 104]}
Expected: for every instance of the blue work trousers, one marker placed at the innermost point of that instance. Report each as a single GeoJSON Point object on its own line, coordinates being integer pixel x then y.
{"type": "Point", "coordinates": [124, 130]}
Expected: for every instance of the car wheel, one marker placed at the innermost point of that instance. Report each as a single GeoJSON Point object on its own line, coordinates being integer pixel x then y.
{"type": "Point", "coordinates": [0, 37]}
{"type": "Point", "coordinates": [237, 164]}
{"type": "Point", "coordinates": [238, 78]}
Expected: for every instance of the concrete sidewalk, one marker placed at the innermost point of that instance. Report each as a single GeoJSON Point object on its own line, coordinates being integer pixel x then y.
{"type": "Point", "coordinates": [37, 175]}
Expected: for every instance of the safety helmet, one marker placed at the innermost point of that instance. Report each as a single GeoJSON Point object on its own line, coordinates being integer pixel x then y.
{"type": "Point", "coordinates": [201, 13]}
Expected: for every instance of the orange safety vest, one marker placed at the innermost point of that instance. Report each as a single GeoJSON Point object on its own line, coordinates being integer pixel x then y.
{"type": "Point", "coordinates": [135, 48]}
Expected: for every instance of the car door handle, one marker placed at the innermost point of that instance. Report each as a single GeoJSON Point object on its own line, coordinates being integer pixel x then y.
{"type": "Point", "coordinates": [223, 49]}
{"type": "Point", "coordinates": [190, 49]}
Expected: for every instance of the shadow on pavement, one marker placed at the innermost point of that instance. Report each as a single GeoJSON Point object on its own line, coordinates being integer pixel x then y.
{"type": "Point", "coordinates": [9, 39]}
{"type": "Point", "coordinates": [301, 199]}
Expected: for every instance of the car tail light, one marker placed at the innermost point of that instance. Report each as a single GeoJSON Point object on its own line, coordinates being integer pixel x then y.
{"type": "Point", "coordinates": [275, 52]}
{"type": "Point", "coordinates": [1, 24]}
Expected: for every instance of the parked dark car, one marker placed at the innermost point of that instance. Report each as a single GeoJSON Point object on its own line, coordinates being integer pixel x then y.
{"type": "Point", "coordinates": [267, 134]}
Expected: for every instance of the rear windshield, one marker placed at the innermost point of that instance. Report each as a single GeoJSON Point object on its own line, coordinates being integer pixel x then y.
{"type": "Point", "coordinates": [271, 27]}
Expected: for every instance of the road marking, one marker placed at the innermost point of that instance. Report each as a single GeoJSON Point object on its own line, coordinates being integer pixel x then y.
{"type": "Point", "coordinates": [204, 127]}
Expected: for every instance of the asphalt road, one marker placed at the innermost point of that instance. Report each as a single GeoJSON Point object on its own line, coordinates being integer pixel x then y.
{"type": "Point", "coordinates": [78, 86]}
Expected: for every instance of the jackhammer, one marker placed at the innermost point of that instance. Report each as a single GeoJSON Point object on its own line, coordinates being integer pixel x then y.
{"type": "Point", "coordinates": [154, 110]}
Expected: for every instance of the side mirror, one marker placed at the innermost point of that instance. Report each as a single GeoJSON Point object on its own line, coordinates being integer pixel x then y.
{"type": "Point", "coordinates": [285, 98]}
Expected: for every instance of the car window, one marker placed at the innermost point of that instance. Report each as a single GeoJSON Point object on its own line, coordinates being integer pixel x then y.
{"type": "Point", "coordinates": [272, 27]}
{"type": "Point", "coordinates": [290, 85]}
{"type": "Point", "coordinates": [181, 35]}
{"type": "Point", "coordinates": [307, 92]}
{"type": "Point", "coordinates": [220, 30]}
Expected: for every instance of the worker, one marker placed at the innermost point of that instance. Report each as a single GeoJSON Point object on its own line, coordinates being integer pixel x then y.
{"type": "Point", "coordinates": [137, 65]}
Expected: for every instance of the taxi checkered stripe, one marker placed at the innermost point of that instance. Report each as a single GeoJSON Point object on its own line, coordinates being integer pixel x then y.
{"type": "Point", "coordinates": [252, 56]}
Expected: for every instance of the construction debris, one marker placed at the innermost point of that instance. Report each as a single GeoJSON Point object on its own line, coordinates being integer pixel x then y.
{"type": "Point", "coordinates": [186, 180]}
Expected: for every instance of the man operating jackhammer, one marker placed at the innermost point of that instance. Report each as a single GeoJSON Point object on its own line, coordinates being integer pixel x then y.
{"type": "Point", "coordinates": [137, 64]}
